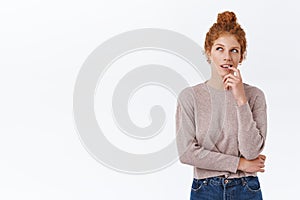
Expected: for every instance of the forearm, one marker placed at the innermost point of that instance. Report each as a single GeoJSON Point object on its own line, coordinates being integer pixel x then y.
{"type": "Point", "coordinates": [205, 159]}
{"type": "Point", "coordinates": [251, 133]}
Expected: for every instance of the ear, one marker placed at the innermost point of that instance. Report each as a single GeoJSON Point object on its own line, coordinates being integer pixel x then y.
{"type": "Point", "coordinates": [207, 54]}
{"type": "Point", "coordinates": [243, 57]}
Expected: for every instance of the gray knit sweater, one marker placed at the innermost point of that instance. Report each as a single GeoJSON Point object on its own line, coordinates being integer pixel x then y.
{"type": "Point", "coordinates": [213, 132]}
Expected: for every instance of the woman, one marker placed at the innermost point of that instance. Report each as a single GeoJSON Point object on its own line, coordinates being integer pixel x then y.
{"type": "Point", "coordinates": [221, 123]}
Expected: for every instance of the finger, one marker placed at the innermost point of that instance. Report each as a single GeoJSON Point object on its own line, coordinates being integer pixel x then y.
{"type": "Point", "coordinates": [228, 75]}
{"type": "Point", "coordinates": [232, 77]}
{"type": "Point", "coordinates": [262, 157]}
{"type": "Point", "coordinates": [261, 165]}
{"type": "Point", "coordinates": [238, 74]}
{"type": "Point", "coordinates": [233, 69]}
{"type": "Point", "coordinates": [229, 85]}
{"type": "Point", "coordinates": [231, 80]}
{"type": "Point", "coordinates": [262, 160]}
{"type": "Point", "coordinates": [261, 170]}
{"type": "Point", "coordinates": [226, 86]}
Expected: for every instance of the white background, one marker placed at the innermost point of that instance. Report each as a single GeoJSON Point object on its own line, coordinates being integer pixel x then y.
{"type": "Point", "coordinates": [42, 47]}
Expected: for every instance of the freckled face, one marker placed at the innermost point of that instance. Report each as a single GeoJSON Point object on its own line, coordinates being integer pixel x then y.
{"type": "Point", "coordinates": [225, 52]}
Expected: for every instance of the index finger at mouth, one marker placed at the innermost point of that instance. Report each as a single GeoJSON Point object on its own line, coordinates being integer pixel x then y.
{"type": "Point", "coordinates": [232, 68]}
{"type": "Point", "coordinates": [236, 71]}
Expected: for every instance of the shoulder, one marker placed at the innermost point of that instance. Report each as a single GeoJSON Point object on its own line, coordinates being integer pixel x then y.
{"type": "Point", "coordinates": [253, 91]}
{"type": "Point", "coordinates": [190, 94]}
{"type": "Point", "coordinates": [255, 95]}
{"type": "Point", "coordinates": [192, 91]}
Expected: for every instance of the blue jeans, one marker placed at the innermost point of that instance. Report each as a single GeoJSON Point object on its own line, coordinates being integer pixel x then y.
{"type": "Point", "coordinates": [217, 188]}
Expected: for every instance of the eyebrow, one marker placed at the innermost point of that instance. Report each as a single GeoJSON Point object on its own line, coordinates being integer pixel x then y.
{"type": "Point", "coordinates": [223, 46]}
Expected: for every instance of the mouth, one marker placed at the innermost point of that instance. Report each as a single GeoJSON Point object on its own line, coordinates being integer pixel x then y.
{"type": "Point", "coordinates": [226, 66]}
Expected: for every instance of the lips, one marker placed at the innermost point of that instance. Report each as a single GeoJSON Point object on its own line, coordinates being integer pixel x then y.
{"type": "Point", "coordinates": [226, 66]}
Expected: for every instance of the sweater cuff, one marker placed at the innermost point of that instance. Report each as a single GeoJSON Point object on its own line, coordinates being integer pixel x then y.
{"type": "Point", "coordinates": [234, 163]}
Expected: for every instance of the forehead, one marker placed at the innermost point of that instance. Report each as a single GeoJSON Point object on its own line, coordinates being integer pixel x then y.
{"type": "Point", "coordinates": [227, 40]}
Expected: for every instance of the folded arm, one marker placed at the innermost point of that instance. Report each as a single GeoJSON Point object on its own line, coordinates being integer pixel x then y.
{"type": "Point", "coordinates": [190, 152]}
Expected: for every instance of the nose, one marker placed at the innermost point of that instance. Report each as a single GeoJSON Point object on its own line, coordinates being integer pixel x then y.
{"type": "Point", "coordinates": [227, 56]}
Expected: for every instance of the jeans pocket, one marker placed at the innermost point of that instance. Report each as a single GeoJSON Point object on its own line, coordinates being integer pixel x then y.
{"type": "Point", "coordinates": [197, 184]}
{"type": "Point", "coordinates": [252, 184]}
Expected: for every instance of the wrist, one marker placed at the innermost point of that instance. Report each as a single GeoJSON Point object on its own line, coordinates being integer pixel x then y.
{"type": "Point", "coordinates": [241, 165]}
{"type": "Point", "coordinates": [241, 101]}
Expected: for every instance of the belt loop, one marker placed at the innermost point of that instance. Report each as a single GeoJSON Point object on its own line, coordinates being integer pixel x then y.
{"type": "Point", "coordinates": [244, 181]}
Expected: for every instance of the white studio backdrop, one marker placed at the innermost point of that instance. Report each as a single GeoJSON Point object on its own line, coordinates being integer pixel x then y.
{"type": "Point", "coordinates": [43, 45]}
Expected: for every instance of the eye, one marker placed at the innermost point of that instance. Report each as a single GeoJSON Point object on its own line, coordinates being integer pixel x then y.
{"type": "Point", "coordinates": [234, 50]}
{"type": "Point", "coordinates": [219, 48]}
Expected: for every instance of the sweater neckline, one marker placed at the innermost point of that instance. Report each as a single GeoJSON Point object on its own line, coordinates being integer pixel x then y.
{"type": "Point", "coordinates": [210, 88]}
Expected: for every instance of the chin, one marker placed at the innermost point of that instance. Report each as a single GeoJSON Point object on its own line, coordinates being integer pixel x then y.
{"type": "Point", "coordinates": [222, 74]}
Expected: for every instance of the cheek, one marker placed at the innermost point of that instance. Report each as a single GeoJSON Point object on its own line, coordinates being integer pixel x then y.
{"type": "Point", "coordinates": [236, 58]}
{"type": "Point", "coordinates": [215, 57]}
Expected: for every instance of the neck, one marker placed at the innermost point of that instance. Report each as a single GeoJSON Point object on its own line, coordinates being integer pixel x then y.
{"type": "Point", "coordinates": [216, 82]}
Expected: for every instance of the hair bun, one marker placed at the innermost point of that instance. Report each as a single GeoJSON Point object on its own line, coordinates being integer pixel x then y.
{"type": "Point", "coordinates": [226, 18]}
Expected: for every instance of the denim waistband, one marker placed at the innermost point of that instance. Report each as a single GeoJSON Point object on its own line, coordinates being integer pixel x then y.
{"type": "Point", "coordinates": [225, 181]}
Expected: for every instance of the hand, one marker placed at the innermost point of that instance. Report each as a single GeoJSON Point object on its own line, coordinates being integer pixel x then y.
{"type": "Point", "coordinates": [235, 83]}
{"type": "Point", "coordinates": [256, 165]}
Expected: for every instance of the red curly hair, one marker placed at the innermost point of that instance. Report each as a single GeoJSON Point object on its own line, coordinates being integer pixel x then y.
{"type": "Point", "coordinates": [226, 24]}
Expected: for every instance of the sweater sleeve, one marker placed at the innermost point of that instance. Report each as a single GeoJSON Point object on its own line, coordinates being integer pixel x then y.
{"type": "Point", "coordinates": [190, 152]}
{"type": "Point", "coordinates": [252, 127]}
